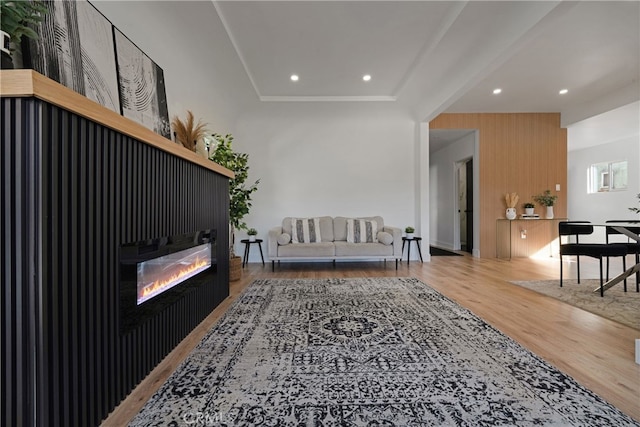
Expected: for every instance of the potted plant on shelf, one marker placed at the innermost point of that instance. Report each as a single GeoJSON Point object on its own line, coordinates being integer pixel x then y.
{"type": "Point", "coordinates": [410, 231]}
{"type": "Point", "coordinates": [528, 208]}
{"type": "Point", "coordinates": [252, 232]}
{"type": "Point", "coordinates": [546, 199]}
{"type": "Point", "coordinates": [15, 20]}
{"type": "Point", "coordinates": [239, 193]}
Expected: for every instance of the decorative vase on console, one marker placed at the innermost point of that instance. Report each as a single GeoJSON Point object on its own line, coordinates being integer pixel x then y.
{"type": "Point", "coordinates": [549, 212]}
{"type": "Point", "coordinates": [547, 199]}
{"type": "Point", "coordinates": [512, 200]}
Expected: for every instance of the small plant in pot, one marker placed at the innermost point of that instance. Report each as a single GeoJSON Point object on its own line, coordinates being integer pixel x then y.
{"type": "Point", "coordinates": [252, 232]}
{"type": "Point", "coordinates": [410, 232]}
{"type": "Point", "coordinates": [528, 208]}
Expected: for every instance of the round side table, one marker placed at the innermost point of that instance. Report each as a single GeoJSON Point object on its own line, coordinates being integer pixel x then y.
{"type": "Point", "coordinates": [409, 240]}
{"type": "Point", "coordinates": [247, 246]}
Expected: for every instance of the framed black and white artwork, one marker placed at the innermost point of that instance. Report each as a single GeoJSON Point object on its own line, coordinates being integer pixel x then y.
{"type": "Point", "coordinates": [142, 90]}
{"type": "Point", "coordinates": [76, 49]}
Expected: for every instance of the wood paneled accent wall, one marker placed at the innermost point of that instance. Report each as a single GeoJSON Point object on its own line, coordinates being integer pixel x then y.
{"type": "Point", "coordinates": [72, 191]}
{"type": "Point", "coordinates": [524, 153]}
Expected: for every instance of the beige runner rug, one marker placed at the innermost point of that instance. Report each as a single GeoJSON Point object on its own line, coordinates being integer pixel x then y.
{"type": "Point", "coordinates": [617, 305]}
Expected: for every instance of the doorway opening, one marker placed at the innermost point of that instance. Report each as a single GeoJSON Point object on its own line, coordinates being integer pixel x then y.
{"type": "Point", "coordinates": [464, 190]}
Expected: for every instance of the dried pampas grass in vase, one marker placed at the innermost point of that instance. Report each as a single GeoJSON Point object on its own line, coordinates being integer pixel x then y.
{"type": "Point", "coordinates": [512, 200]}
{"type": "Point", "coordinates": [187, 132]}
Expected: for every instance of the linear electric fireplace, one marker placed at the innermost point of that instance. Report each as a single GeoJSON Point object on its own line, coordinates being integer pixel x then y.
{"type": "Point", "coordinates": [155, 273]}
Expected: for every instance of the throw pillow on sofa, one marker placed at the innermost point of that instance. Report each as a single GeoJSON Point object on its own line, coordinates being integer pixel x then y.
{"type": "Point", "coordinates": [305, 230]}
{"type": "Point", "coordinates": [284, 239]}
{"type": "Point", "coordinates": [362, 231]}
{"type": "Point", "coordinates": [385, 238]}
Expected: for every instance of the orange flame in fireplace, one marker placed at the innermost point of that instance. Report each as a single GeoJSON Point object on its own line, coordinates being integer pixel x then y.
{"type": "Point", "coordinates": [177, 277]}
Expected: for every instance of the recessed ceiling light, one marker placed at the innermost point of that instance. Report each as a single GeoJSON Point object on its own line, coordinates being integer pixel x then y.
{"type": "Point", "coordinates": [563, 91]}
{"type": "Point", "coordinates": [366, 77]}
{"type": "Point", "coordinates": [294, 77]}
{"type": "Point", "coordinates": [497, 91]}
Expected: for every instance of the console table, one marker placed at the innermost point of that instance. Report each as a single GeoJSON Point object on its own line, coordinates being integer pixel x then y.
{"type": "Point", "coordinates": [526, 237]}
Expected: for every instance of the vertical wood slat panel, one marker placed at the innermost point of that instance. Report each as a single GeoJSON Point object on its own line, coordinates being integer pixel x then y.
{"type": "Point", "coordinates": [100, 189]}
{"type": "Point", "coordinates": [521, 152]}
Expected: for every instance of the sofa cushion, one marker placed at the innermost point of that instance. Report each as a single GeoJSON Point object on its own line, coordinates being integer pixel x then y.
{"type": "Point", "coordinates": [385, 238]}
{"type": "Point", "coordinates": [340, 229]}
{"type": "Point", "coordinates": [310, 250]}
{"type": "Point", "coordinates": [284, 239]}
{"type": "Point", "coordinates": [346, 249]}
{"type": "Point", "coordinates": [305, 230]}
{"type": "Point", "coordinates": [362, 231]}
{"type": "Point", "coordinates": [340, 226]}
{"type": "Point", "coordinates": [326, 228]}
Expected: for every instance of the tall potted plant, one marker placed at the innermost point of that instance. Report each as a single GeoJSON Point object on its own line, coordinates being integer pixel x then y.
{"type": "Point", "coordinates": [16, 17]}
{"type": "Point", "coordinates": [239, 192]}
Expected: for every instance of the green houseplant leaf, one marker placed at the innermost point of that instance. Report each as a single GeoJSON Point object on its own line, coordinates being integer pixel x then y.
{"type": "Point", "coordinates": [546, 198]}
{"type": "Point", "coordinates": [239, 192]}
{"type": "Point", "coordinates": [17, 16]}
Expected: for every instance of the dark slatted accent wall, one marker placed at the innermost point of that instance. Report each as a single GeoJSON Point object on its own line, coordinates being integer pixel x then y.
{"type": "Point", "coordinates": [72, 191]}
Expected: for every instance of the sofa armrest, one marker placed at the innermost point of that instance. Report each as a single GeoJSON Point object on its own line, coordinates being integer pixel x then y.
{"type": "Point", "coordinates": [397, 240]}
{"type": "Point", "coordinates": [272, 243]}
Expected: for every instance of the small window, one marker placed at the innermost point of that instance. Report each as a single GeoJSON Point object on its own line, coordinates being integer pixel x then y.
{"type": "Point", "coordinates": [608, 176]}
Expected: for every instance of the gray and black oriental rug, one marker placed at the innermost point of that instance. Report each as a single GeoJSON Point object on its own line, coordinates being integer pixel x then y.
{"type": "Point", "coordinates": [365, 352]}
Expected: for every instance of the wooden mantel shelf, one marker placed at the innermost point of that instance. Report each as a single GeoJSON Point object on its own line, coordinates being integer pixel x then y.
{"type": "Point", "coordinates": [29, 83]}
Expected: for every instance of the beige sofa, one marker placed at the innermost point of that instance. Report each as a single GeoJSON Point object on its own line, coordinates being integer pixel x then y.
{"type": "Point", "coordinates": [333, 238]}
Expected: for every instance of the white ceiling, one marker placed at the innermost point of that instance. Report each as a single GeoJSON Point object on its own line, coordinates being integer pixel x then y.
{"type": "Point", "coordinates": [447, 56]}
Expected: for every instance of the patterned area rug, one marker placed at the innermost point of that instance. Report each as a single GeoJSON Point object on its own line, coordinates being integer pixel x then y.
{"type": "Point", "coordinates": [623, 307]}
{"type": "Point", "coordinates": [365, 352]}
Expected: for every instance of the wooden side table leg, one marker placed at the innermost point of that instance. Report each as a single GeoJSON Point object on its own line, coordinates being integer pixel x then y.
{"type": "Point", "coordinates": [419, 250]}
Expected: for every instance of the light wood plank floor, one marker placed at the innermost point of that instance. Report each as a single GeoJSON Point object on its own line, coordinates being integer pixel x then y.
{"type": "Point", "coordinates": [597, 352]}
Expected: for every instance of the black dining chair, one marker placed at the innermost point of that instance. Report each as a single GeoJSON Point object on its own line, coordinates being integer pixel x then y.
{"type": "Point", "coordinates": [593, 250]}
{"type": "Point", "coordinates": [633, 247]}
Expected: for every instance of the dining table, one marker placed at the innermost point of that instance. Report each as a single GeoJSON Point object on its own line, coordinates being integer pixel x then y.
{"type": "Point", "coordinates": [625, 228]}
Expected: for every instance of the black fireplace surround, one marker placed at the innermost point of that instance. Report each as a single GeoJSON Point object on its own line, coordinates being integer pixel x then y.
{"type": "Point", "coordinates": [85, 201]}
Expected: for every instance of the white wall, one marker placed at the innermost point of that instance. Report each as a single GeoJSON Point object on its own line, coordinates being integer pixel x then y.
{"type": "Point", "coordinates": [600, 207]}
{"type": "Point", "coordinates": [207, 79]}
{"type": "Point", "coordinates": [442, 190]}
{"type": "Point", "coordinates": [336, 159]}
{"type": "Point", "coordinates": [351, 159]}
